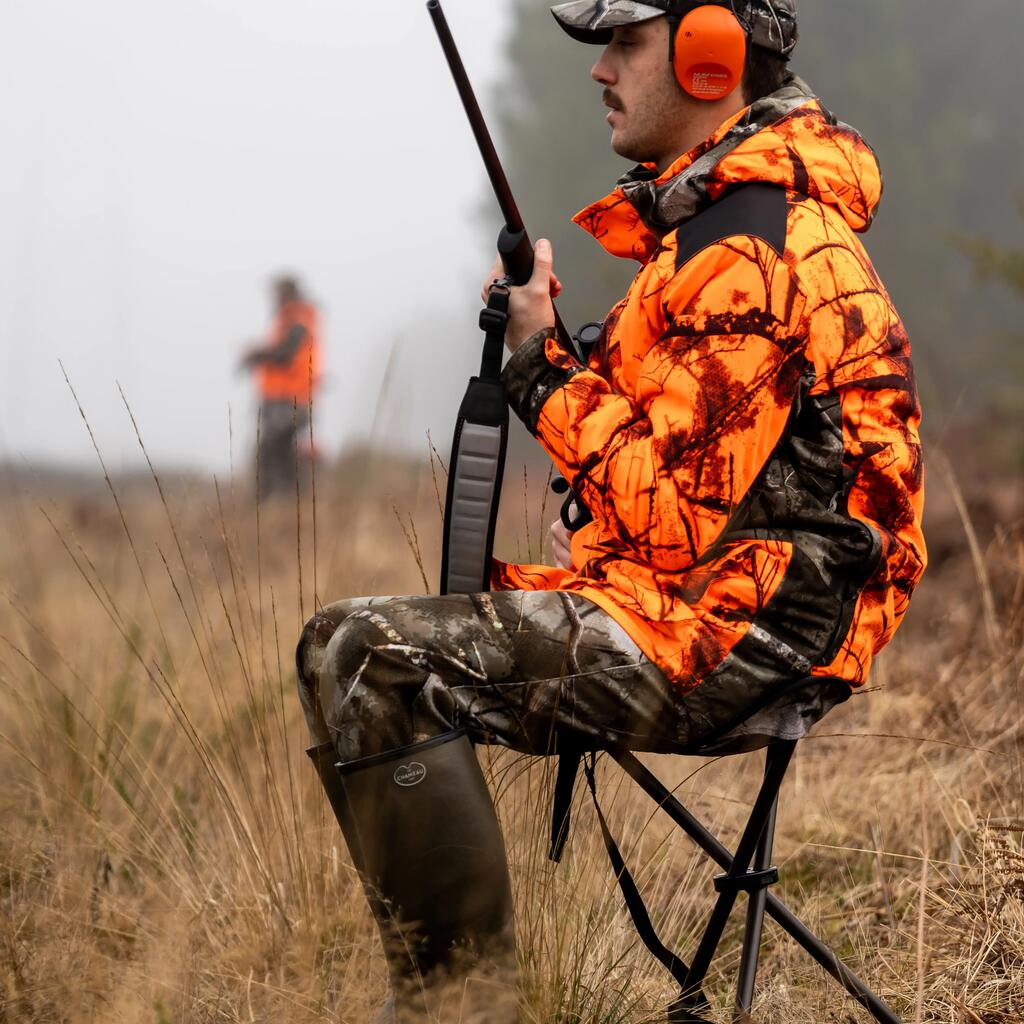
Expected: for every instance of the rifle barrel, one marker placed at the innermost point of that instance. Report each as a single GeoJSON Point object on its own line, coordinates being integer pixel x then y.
{"type": "Point", "coordinates": [513, 243]}
{"type": "Point", "coordinates": [509, 210]}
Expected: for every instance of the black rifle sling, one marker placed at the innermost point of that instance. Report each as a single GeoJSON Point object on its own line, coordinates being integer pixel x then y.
{"type": "Point", "coordinates": [477, 461]}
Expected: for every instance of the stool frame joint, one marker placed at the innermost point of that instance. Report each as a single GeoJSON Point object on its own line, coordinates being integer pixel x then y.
{"type": "Point", "coordinates": [751, 881]}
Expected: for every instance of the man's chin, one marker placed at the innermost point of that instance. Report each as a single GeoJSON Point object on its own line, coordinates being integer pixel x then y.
{"type": "Point", "coordinates": [620, 144]}
{"type": "Point", "coordinates": [627, 148]}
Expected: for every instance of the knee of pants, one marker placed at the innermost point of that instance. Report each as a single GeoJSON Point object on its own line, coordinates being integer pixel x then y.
{"type": "Point", "coordinates": [354, 666]}
{"type": "Point", "coordinates": [364, 694]}
{"type": "Point", "coordinates": [315, 640]}
{"type": "Point", "coordinates": [348, 647]}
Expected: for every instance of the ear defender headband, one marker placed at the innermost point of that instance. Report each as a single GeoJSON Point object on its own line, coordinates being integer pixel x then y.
{"type": "Point", "coordinates": [708, 51]}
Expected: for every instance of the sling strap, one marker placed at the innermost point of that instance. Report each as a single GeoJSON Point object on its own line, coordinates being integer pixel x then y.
{"type": "Point", "coordinates": [477, 461]}
{"type": "Point", "coordinates": [561, 803]}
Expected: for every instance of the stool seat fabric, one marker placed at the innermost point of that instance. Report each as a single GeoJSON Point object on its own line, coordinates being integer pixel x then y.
{"type": "Point", "coordinates": [790, 717]}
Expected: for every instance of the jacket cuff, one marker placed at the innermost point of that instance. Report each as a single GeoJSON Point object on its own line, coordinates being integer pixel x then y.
{"type": "Point", "coordinates": [539, 367]}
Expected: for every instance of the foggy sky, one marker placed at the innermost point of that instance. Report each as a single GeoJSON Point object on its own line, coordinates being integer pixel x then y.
{"type": "Point", "coordinates": [161, 161]}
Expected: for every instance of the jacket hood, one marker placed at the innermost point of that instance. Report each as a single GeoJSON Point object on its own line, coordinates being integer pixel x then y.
{"type": "Point", "coordinates": [786, 139]}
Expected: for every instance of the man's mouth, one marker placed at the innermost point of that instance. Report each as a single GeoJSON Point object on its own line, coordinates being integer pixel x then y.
{"type": "Point", "coordinates": [613, 104]}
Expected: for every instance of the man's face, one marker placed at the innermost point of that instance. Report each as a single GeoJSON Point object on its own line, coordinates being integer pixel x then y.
{"type": "Point", "coordinates": [283, 293]}
{"type": "Point", "coordinates": [648, 108]}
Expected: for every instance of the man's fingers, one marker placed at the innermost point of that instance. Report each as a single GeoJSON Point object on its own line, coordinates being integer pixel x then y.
{"type": "Point", "coordinates": [563, 558]}
{"type": "Point", "coordinates": [563, 555]}
{"type": "Point", "coordinates": [542, 276]}
{"type": "Point", "coordinates": [561, 540]}
{"type": "Point", "coordinates": [542, 262]}
{"type": "Point", "coordinates": [498, 270]}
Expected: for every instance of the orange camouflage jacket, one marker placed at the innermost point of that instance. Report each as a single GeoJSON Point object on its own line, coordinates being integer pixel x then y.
{"type": "Point", "coordinates": [745, 433]}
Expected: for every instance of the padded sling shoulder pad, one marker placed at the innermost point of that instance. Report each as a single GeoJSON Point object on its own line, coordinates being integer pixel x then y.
{"type": "Point", "coordinates": [758, 210]}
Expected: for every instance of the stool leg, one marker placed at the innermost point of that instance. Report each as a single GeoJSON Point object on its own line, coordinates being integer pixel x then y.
{"type": "Point", "coordinates": [776, 909]}
{"type": "Point", "coordinates": [757, 901]}
{"type": "Point", "coordinates": [774, 772]}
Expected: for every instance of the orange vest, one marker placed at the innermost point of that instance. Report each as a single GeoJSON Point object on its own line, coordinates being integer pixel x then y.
{"type": "Point", "coordinates": [296, 379]}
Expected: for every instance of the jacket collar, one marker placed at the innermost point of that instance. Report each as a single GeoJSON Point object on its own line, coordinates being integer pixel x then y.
{"type": "Point", "coordinates": [644, 206]}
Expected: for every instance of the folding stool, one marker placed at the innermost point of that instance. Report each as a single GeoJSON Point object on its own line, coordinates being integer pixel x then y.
{"type": "Point", "coordinates": [747, 870]}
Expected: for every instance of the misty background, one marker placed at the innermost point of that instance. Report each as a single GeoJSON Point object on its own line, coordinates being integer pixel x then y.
{"type": "Point", "coordinates": [162, 162]}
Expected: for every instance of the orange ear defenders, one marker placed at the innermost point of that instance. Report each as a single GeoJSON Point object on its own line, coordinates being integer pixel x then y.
{"type": "Point", "coordinates": [709, 52]}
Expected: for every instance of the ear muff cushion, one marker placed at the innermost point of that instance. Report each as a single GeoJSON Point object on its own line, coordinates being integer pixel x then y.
{"type": "Point", "coordinates": [710, 52]}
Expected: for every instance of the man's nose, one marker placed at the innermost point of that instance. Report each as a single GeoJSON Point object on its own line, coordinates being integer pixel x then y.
{"type": "Point", "coordinates": [601, 72]}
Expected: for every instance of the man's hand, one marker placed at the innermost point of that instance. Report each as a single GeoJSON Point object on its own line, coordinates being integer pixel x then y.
{"type": "Point", "coordinates": [250, 358]}
{"type": "Point", "coordinates": [529, 306]}
{"type": "Point", "coordinates": [561, 537]}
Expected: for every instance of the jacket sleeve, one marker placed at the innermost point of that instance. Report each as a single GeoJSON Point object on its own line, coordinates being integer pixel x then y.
{"type": "Point", "coordinates": [666, 466]}
{"type": "Point", "coordinates": [284, 351]}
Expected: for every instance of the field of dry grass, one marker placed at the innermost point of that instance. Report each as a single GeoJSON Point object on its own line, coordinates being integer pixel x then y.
{"type": "Point", "coordinates": [166, 855]}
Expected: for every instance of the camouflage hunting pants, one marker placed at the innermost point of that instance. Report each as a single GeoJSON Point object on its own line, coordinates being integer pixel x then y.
{"type": "Point", "coordinates": [516, 668]}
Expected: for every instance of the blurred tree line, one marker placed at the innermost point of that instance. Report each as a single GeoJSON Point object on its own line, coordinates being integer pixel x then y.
{"type": "Point", "coordinates": [1005, 408]}
{"type": "Point", "coordinates": [935, 87]}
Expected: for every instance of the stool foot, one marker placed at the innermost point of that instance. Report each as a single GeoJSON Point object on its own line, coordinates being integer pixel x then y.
{"type": "Point", "coordinates": [685, 1009]}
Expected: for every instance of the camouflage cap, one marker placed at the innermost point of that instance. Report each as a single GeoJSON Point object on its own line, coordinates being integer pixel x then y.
{"type": "Point", "coordinates": [770, 24]}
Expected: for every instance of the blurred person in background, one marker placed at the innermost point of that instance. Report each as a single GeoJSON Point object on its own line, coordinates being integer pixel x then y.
{"type": "Point", "coordinates": [744, 435]}
{"type": "Point", "coordinates": [286, 367]}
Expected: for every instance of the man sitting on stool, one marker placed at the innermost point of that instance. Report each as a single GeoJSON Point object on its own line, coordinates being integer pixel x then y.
{"type": "Point", "coordinates": [745, 435]}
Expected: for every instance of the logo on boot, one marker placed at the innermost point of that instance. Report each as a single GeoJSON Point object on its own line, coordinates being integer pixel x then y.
{"type": "Point", "coordinates": [410, 774]}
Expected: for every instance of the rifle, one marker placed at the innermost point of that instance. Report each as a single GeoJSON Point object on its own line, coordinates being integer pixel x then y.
{"type": "Point", "coordinates": [481, 431]}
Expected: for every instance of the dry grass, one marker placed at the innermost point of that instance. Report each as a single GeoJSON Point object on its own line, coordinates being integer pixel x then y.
{"type": "Point", "coordinates": [166, 855]}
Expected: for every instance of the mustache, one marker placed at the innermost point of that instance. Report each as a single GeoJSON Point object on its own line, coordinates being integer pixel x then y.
{"type": "Point", "coordinates": [611, 100]}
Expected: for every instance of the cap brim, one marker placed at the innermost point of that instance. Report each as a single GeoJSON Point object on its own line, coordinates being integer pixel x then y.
{"type": "Point", "coordinates": [592, 21]}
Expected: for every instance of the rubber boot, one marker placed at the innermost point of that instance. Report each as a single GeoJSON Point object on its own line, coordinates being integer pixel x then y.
{"type": "Point", "coordinates": [422, 832]}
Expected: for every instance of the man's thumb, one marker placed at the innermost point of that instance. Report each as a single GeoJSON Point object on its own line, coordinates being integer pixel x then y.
{"type": "Point", "coordinates": [542, 260]}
